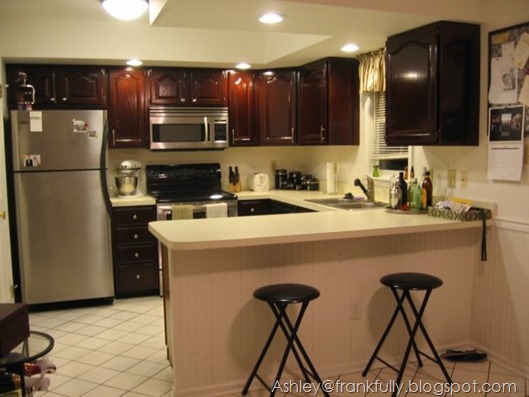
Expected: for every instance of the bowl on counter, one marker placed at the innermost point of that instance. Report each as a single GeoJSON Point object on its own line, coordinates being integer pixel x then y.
{"type": "Point", "coordinates": [126, 185]}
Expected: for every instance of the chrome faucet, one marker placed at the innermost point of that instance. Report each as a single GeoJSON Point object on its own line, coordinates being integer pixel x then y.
{"type": "Point", "coordinates": [370, 191]}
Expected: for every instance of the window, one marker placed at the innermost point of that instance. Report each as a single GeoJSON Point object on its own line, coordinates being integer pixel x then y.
{"type": "Point", "coordinates": [387, 157]}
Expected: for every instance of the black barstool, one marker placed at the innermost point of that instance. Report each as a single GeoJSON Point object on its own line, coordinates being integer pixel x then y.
{"type": "Point", "coordinates": [278, 297]}
{"type": "Point", "coordinates": [406, 282]}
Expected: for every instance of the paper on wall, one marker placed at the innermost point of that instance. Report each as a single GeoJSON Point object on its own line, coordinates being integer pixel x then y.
{"type": "Point", "coordinates": [504, 81]}
{"type": "Point", "coordinates": [521, 53]}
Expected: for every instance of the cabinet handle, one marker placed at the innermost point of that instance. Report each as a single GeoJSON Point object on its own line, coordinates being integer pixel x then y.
{"type": "Point", "coordinates": [64, 99]}
{"type": "Point", "coordinates": [194, 100]}
{"type": "Point", "coordinates": [138, 276]}
{"type": "Point", "coordinates": [252, 210]}
{"type": "Point", "coordinates": [134, 217]}
{"type": "Point", "coordinates": [322, 134]}
{"type": "Point", "coordinates": [136, 255]}
{"type": "Point", "coordinates": [182, 100]}
{"type": "Point", "coordinates": [52, 100]}
{"type": "Point", "coordinates": [136, 236]}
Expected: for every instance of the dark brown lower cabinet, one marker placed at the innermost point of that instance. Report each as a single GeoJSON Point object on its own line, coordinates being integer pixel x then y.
{"type": "Point", "coordinates": [135, 252]}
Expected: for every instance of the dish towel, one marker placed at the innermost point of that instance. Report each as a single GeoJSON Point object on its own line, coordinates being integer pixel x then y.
{"type": "Point", "coordinates": [218, 210]}
{"type": "Point", "coordinates": [181, 211]}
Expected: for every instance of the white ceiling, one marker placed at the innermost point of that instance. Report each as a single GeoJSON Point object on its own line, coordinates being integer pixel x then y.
{"type": "Point", "coordinates": [223, 32]}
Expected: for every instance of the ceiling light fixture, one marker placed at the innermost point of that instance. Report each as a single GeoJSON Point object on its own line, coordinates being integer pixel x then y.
{"type": "Point", "coordinates": [134, 62]}
{"type": "Point", "coordinates": [350, 48]}
{"type": "Point", "coordinates": [243, 66]}
{"type": "Point", "coordinates": [271, 18]}
{"type": "Point", "coordinates": [125, 9]}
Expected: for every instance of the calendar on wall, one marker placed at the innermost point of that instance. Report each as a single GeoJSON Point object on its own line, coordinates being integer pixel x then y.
{"type": "Point", "coordinates": [508, 101]}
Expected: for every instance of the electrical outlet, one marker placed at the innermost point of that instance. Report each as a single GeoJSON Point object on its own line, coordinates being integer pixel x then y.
{"type": "Point", "coordinates": [464, 179]}
{"type": "Point", "coordinates": [273, 165]}
{"type": "Point", "coordinates": [356, 310]}
{"type": "Point", "coordinates": [451, 178]}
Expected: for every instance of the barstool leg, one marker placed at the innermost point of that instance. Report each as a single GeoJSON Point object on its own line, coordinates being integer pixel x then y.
{"type": "Point", "coordinates": [411, 342]}
{"type": "Point", "coordinates": [400, 302]}
{"type": "Point", "coordinates": [438, 359]}
{"type": "Point", "coordinates": [383, 339]}
{"type": "Point", "coordinates": [288, 331]}
{"type": "Point", "coordinates": [261, 356]}
{"type": "Point", "coordinates": [297, 343]}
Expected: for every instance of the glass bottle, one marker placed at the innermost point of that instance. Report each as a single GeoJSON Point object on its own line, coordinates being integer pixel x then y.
{"type": "Point", "coordinates": [404, 192]}
{"type": "Point", "coordinates": [414, 195]}
{"type": "Point", "coordinates": [427, 191]}
{"type": "Point", "coordinates": [24, 93]}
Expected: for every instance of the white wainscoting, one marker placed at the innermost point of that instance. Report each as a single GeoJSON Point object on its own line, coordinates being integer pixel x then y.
{"type": "Point", "coordinates": [218, 329]}
{"type": "Point", "coordinates": [500, 321]}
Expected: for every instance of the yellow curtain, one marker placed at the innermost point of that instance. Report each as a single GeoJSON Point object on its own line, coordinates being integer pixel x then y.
{"type": "Point", "coordinates": [372, 71]}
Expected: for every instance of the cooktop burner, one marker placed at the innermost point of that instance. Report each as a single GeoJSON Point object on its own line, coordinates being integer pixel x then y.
{"type": "Point", "coordinates": [186, 183]}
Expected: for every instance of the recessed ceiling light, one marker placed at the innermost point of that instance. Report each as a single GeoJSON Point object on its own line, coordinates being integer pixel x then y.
{"type": "Point", "coordinates": [134, 62]}
{"type": "Point", "coordinates": [243, 66]}
{"type": "Point", "coordinates": [349, 48]}
{"type": "Point", "coordinates": [125, 9]}
{"type": "Point", "coordinates": [271, 18]}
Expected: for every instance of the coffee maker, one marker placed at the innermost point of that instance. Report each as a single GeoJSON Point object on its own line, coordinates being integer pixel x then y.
{"type": "Point", "coordinates": [128, 178]}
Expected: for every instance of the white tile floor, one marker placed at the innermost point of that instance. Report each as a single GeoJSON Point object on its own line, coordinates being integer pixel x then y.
{"type": "Point", "coordinates": [119, 350]}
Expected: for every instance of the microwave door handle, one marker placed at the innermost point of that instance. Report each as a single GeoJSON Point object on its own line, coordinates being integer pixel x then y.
{"type": "Point", "coordinates": [206, 126]}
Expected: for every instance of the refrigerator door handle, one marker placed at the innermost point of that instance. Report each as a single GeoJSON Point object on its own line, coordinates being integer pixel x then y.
{"type": "Point", "coordinates": [103, 169]}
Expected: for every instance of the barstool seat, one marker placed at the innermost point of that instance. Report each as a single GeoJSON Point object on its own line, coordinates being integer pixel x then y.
{"type": "Point", "coordinates": [278, 297]}
{"type": "Point", "coordinates": [401, 284]}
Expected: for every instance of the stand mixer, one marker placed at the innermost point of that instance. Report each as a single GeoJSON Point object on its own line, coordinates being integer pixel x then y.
{"type": "Point", "coordinates": [128, 179]}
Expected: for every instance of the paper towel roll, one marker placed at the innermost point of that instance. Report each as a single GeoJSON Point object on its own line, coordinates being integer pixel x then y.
{"type": "Point", "coordinates": [332, 177]}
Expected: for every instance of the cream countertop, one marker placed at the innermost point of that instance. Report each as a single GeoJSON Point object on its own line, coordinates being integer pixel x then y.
{"type": "Point", "coordinates": [303, 227]}
{"type": "Point", "coordinates": [132, 201]}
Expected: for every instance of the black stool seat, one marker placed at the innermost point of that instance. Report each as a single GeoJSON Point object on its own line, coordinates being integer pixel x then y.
{"type": "Point", "coordinates": [278, 297]}
{"type": "Point", "coordinates": [413, 281]}
{"type": "Point", "coordinates": [401, 284]}
{"type": "Point", "coordinates": [286, 293]}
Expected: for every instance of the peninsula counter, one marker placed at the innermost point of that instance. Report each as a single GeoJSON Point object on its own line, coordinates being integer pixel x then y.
{"type": "Point", "coordinates": [215, 328]}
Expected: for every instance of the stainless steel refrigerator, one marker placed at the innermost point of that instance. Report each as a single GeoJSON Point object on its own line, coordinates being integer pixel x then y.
{"type": "Point", "coordinates": [62, 206]}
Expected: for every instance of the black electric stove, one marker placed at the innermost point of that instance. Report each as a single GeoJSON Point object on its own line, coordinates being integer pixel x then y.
{"type": "Point", "coordinates": [186, 183]}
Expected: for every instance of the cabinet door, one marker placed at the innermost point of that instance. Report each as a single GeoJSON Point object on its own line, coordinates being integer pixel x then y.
{"type": "Point", "coordinates": [42, 78]}
{"type": "Point", "coordinates": [241, 107]}
{"type": "Point", "coordinates": [312, 101]}
{"type": "Point", "coordinates": [277, 107]}
{"type": "Point", "coordinates": [168, 87]}
{"type": "Point", "coordinates": [82, 86]}
{"type": "Point", "coordinates": [343, 102]}
{"type": "Point", "coordinates": [207, 87]}
{"type": "Point", "coordinates": [411, 79]}
{"type": "Point", "coordinates": [127, 111]}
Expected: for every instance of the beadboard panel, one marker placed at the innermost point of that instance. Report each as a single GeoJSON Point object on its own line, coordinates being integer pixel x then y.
{"type": "Point", "coordinates": [500, 322]}
{"type": "Point", "coordinates": [218, 328]}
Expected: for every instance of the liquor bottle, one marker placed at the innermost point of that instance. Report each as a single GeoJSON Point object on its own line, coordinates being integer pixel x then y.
{"type": "Point", "coordinates": [404, 192]}
{"type": "Point", "coordinates": [414, 195]}
{"type": "Point", "coordinates": [427, 191]}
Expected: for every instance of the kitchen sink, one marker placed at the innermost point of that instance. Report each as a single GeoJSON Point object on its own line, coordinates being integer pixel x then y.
{"type": "Point", "coordinates": [347, 203]}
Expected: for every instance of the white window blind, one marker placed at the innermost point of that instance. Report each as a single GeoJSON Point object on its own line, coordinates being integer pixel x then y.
{"type": "Point", "coordinates": [380, 151]}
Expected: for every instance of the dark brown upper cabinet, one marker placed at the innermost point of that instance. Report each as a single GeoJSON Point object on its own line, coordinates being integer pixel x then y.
{"type": "Point", "coordinates": [127, 112]}
{"type": "Point", "coordinates": [241, 108]}
{"type": "Point", "coordinates": [277, 93]}
{"type": "Point", "coordinates": [432, 78]}
{"type": "Point", "coordinates": [328, 102]}
{"type": "Point", "coordinates": [187, 87]}
{"type": "Point", "coordinates": [61, 86]}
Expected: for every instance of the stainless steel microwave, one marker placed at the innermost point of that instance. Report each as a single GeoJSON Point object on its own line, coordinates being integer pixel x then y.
{"type": "Point", "coordinates": [173, 128]}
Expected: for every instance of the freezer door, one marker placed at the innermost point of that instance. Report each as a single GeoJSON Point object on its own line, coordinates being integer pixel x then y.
{"type": "Point", "coordinates": [63, 237]}
{"type": "Point", "coordinates": [57, 139]}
